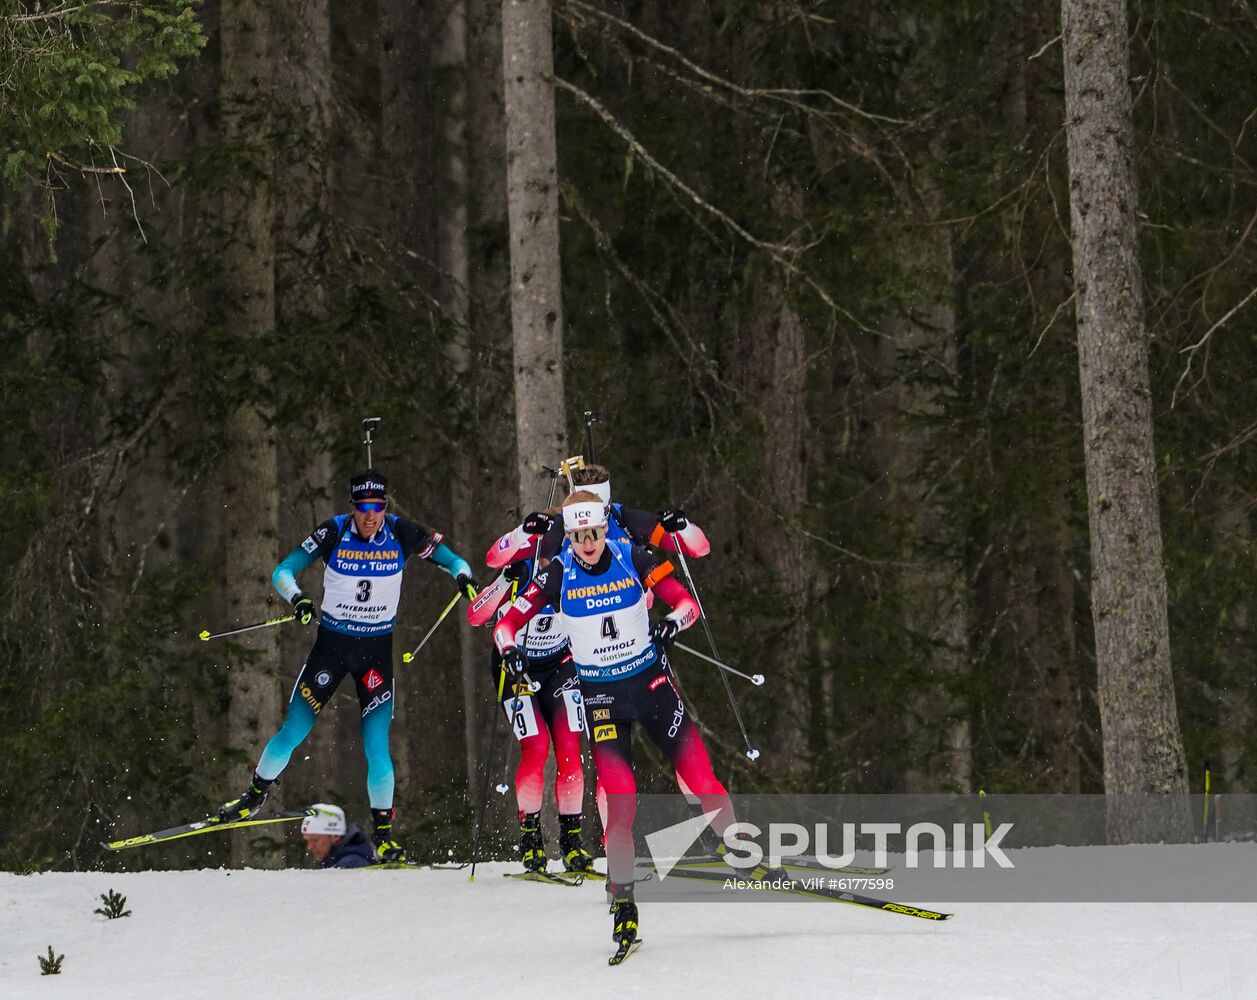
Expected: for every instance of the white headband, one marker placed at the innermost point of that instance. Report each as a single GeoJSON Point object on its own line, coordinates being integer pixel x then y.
{"type": "Point", "coordinates": [327, 819]}
{"type": "Point", "coordinates": [602, 489]}
{"type": "Point", "coordinates": [586, 514]}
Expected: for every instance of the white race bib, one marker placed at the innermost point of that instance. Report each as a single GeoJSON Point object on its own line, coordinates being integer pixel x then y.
{"type": "Point", "coordinates": [575, 705]}
{"type": "Point", "coordinates": [522, 716]}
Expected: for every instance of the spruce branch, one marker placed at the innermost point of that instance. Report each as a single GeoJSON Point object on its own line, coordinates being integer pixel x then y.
{"type": "Point", "coordinates": [115, 906]}
{"type": "Point", "coordinates": [50, 964]}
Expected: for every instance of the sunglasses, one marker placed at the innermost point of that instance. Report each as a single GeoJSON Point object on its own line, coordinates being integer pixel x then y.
{"type": "Point", "coordinates": [587, 534]}
{"type": "Point", "coordinates": [370, 506]}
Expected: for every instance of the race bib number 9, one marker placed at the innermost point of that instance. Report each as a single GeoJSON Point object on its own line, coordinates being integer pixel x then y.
{"type": "Point", "coordinates": [522, 716]}
{"type": "Point", "coordinates": [575, 706]}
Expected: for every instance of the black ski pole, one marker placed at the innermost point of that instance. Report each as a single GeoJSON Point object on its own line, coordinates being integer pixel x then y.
{"type": "Point", "coordinates": [591, 417]}
{"type": "Point", "coordinates": [488, 771]}
{"type": "Point", "coordinates": [751, 752]}
{"type": "Point", "coordinates": [369, 426]}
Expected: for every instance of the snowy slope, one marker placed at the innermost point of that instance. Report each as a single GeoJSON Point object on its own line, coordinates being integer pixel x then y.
{"type": "Point", "coordinates": [399, 934]}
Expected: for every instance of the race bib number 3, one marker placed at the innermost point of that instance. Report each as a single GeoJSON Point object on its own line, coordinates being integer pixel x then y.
{"type": "Point", "coordinates": [523, 719]}
{"type": "Point", "coordinates": [575, 706]}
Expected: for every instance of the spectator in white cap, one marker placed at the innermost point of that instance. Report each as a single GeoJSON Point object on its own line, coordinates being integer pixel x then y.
{"type": "Point", "coordinates": [334, 843]}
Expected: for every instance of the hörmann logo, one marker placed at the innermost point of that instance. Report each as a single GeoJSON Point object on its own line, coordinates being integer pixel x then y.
{"type": "Point", "coordinates": [372, 554]}
{"type": "Point", "coordinates": [601, 588]}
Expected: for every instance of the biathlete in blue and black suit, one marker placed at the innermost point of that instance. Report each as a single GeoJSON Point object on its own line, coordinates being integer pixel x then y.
{"type": "Point", "coordinates": [364, 553]}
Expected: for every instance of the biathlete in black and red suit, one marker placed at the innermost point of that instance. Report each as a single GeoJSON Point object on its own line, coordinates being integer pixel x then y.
{"type": "Point", "coordinates": [552, 715]}
{"type": "Point", "coordinates": [598, 590]}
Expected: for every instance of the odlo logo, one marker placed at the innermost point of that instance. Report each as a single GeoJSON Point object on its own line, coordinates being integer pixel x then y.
{"type": "Point", "coordinates": [376, 702]}
{"type": "Point", "coordinates": [313, 702]}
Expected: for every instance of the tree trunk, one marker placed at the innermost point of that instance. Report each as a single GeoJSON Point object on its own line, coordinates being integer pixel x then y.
{"type": "Point", "coordinates": [771, 356]}
{"type": "Point", "coordinates": [1044, 609]}
{"type": "Point", "coordinates": [1143, 750]}
{"type": "Point", "coordinates": [303, 113]}
{"type": "Point", "coordinates": [249, 517]}
{"type": "Point", "coordinates": [489, 316]}
{"type": "Point", "coordinates": [533, 209]}
{"type": "Point", "coordinates": [920, 351]}
{"type": "Point", "coordinates": [450, 62]}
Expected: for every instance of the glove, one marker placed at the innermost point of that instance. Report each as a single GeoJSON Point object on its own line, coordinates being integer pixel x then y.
{"type": "Point", "coordinates": [538, 523]}
{"type": "Point", "coordinates": [303, 608]}
{"type": "Point", "coordinates": [664, 632]}
{"type": "Point", "coordinates": [467, 586]}
{"type": "Point", "coordinates": [673, 520]}
{"type": "Point", "coordinates": [513, 662]}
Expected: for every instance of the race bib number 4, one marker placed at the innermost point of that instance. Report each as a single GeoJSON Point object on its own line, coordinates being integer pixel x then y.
{"type": "Point", "coordinates": [522, 715]}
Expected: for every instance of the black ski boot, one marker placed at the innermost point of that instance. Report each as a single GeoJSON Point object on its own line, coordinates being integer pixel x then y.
{"type": "Point", "coordinates": [623, 915]}
{"type": "Point", "coordinates": [575, 857]}
{"type": "Point", "coordinates": [387, 850]}
{"type": "Point", "coordinates": [532, 848]}
{"type": "Point", "coordinates": [248, 804]}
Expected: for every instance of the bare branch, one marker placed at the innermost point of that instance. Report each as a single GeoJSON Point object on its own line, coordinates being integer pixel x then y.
{"type": "Point", "coordinates": [783, 254]}
{"type": "Point", "coordinates": [83, 168]}
{"type": "Point", "coordinates": [1191, 351]}
{"type": "Point", "coordinates": [720, 81]}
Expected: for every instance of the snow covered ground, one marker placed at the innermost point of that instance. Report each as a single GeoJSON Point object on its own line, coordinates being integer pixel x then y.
{"type": "Point", "coordinates": [399, 934]}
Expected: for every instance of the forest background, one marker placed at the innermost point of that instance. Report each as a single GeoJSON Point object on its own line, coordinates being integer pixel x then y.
{"type": "Point", "coordinates": [816, 274]}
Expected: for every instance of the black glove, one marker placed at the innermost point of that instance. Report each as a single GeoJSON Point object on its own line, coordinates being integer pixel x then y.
{"type": "Point", "coordinates": [538, 523]}
{"type": "Point", "coordinates": [513, 662]}
{"type": "Point", "coordinates": [665, 632]}
{"type": "Point", "coordinates": [673, 520]}
{"type": "Point", "coordinates": [467, 586]}
{"type": "Point", "coordinates": [303, 608]}
{"type": "Point", "coordinates": [517, 572]}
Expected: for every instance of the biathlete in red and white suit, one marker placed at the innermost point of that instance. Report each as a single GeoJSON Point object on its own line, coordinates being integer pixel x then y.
{"type": "Point", "coordinates": [598, 589]}
{"type": "Point", "coordinates": [553, 715]}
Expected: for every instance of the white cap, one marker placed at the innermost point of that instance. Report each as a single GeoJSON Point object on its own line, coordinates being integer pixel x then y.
{"type": "Point", "coordinates": [586, 514]}
{"type": "Point", "coordinates": [602, 489]}
{"type": "Point", "coordinates": [325, 819]}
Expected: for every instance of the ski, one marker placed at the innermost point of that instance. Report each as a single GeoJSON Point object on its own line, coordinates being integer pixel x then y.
{"type": "Point", "coordinates": [834, 895]}
{"type": "Point", "coordinates": [414, 866]}
{"type": "Point", "coordinates": [718, 863]}
{"type": "Point", "coordinates": [544, 877]}
{"type": "Point", "coordinates": [576, 878]}
{"type": "Point", "coordinates": [209, 825]}
{"type": "Point", "coordinates": [624, 950]}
